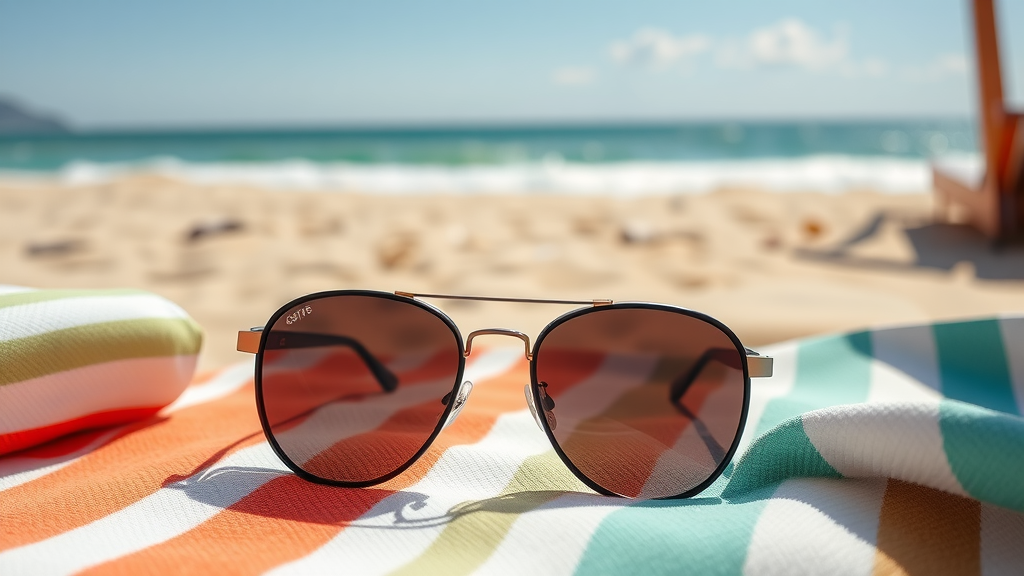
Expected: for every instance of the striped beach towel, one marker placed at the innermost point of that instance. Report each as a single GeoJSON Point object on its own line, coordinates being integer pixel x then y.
{"type": "Point", "coordinates": [77, 359]}
{"type": "Point", "coordinates": [888, 451]}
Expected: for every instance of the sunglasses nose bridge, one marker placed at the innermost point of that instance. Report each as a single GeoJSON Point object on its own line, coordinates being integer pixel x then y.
{"type": "Point", "coordinates": [499, 332]}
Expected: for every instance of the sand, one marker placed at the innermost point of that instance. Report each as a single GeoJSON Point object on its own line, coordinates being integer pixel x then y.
{"type": "Point", "coordinates": [773, 266]}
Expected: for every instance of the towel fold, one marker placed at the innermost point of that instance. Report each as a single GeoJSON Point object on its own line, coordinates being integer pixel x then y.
{"type": "Point", "coordinates": [78, 359]}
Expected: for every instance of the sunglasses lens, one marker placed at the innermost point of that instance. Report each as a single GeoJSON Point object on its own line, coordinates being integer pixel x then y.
{"type": "Point", "coordinates": [353, 387]}
{"type": "Point", "coordinates": [644, 402]}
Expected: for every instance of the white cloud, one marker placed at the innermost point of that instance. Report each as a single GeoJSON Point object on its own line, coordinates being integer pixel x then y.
{"type": "Point", "coordinates": [574, 76]}
{"type": "Point", "coordinates": [657, 48]}
{"type": "Point", "coordinates": [789, 42]}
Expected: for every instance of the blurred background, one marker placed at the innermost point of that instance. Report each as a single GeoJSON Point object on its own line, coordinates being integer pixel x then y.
{"type": "Point", "coordinates": [765, 162]}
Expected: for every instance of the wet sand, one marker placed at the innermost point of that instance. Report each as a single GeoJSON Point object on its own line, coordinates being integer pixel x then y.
{"type": "Point", "coordinates": [771, 265]}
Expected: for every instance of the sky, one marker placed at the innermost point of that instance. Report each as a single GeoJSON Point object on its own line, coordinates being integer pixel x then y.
{"type": "Point", "coordinates": [190, 63]}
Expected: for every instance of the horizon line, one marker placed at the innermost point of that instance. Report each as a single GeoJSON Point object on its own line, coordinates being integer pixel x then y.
{"type": "Point", "coordinates": [477, 125]}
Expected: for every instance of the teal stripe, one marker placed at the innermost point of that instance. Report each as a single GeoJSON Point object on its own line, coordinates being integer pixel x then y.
{"type": "Point", "coordinates": [675, 537]}
{"type": "Point", "coordinates": [985, 450]}
{"type": "Point", "coordinates": [784, 452]}
{"type": "Point", "coordinates": [974, 365]}
{"type": "Point", "coordinates": [708, 535]}
{"type": "Point", "coordinates": [829, 371]}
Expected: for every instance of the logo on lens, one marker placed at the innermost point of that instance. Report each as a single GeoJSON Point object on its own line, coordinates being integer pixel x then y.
{"type": "Point", "coordinates": [298, 315]}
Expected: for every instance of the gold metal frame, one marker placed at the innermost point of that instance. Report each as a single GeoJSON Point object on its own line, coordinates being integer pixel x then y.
{"type": "Point", "coordinates": [501, 332]}
{"type": "Point", "coordinates": [758, 365]}
{"type": "Point", "coordinates": [598, 302]}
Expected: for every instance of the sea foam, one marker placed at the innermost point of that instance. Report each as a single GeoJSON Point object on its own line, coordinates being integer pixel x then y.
{"type": "Point", "coordinates": [830, 174]}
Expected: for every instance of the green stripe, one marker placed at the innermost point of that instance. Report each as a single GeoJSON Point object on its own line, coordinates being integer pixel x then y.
{"type": "Point", "coordinates": [706, 535]}
{"type": "Point", "coordinates": [695, 536]}
{"type": "Point", "coordinates": [19, 298]}
{"type": "Point", "coordinates": [974, 365]}
{"type": "Point", "coordinates": [61, 350]}
{"type": "Point", "coordinates": [985, 450]}
{"type": "Point", "coordinates": [829, 371]}
{"type": "Point", "coordinates": [784, 452]}
{"type": "Point", "coordinates": [477, 527]}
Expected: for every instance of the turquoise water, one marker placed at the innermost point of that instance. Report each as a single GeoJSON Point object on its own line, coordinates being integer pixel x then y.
{"type": "Point", "coordinates": [695, 141]}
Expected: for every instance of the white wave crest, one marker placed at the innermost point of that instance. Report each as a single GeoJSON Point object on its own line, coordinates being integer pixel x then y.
{"type": "Point", "coordinates": [814, 173]}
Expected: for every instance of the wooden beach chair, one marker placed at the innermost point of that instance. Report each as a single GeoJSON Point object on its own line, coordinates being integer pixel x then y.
{"type": "Point", "coordinates": [993, 205]}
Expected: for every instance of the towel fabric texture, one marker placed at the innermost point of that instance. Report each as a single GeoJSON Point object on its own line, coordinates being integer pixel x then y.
{"type": "Point", "coordinates": [890, 451]}
{"type": "Point", "coordinates": [77, 359]}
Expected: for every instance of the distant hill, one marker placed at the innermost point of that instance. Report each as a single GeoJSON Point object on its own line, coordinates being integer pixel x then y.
{"type": "Point", "coordinates": [15, 119]}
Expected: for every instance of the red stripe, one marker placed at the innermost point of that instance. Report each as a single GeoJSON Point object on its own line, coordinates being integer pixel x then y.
{"type": "Point", "coordinates": [27, 438]}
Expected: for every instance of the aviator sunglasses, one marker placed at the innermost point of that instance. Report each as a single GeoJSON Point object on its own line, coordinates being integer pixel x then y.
{"type": "Point", "coordinates": [639, 400]}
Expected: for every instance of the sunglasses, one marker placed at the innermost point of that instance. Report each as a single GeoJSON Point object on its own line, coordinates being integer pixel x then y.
{"type": "Point", "coordinates": [639, 400]}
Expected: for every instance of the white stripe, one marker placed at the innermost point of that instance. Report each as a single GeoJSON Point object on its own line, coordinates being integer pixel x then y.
{"type": "Point", "coordinates": [817, 526]}
{"type": "Point", "coordinates": [178, 508]}
{"type": "Point", "coordinates": [334, 422]}
{"type": "Point", "coordinates": [1012, 331]}
{"type": "Point", "coordinates": [6, 289]}
{"type": "Point", "coordinates": [1002, 535]}
{"type": "Point", "coordinates": [17, 470]}
{"type": "Point", "coordinates": [56, 398]}
{"type": "Point", "coordinates": [891, 385]}
{"type": "Point", "coordinates": [899, 440]}
{"type": "Point", "coordinates": [167, 513]}
{"type": "Point", "coordinates": [474, 472]}
{"type": "Point", "coordinates": [449, 482]}
{"type": "Point", "coordinates": [224, 383]}
{"type": "Point", "coordinates": [617, 375]}
{"type": "Point", "coordinates": [764, 390]}
{"type": "Point", "coordinates": [552, 538]}
{"type": "Point", "coordinates": [33, 319]}
{"type": "Point", "coordinates": [690, 460]}
{"type": "Point", "coordinates": [912, 351]}
{"type": "Point", "coordinates": [494, 362]}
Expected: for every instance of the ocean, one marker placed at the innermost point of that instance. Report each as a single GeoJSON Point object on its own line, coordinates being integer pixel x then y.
{"type": "Point", "coordinates": [686, 157]}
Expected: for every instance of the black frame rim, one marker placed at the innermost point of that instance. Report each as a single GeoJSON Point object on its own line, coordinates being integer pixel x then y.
{"type": "Point", "coordinates": [535, 389]}
{"type": "Point", "coordinates": [258, 379]}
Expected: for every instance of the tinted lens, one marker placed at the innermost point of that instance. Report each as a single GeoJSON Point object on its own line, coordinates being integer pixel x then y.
{"type": "Point", "coordinates": [352, 385]}
{"type": "Point", "coordinates": [644, 402]}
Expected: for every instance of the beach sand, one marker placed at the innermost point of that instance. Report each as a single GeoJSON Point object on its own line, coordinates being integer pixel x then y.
{"type": "Point", "coordinates": [773, 266]}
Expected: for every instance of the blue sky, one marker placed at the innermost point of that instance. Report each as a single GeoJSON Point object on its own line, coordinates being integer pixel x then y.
{"type": "Point", "coordinates": [114, 64]}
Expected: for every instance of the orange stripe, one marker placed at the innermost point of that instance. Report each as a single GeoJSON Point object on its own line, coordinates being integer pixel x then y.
{"type": "Point", "coordinates": [285, 402]}
{"type": "Point", "coordinates": [125, 470]}
{"type": "Point", "coordinates": [926, 531]}
{"type": "Point", "coordinates": [27, 438]}
{"type": "Point", "coordinates": [289, 518]}
{"type": "Point", "coordinates": [383, 449]}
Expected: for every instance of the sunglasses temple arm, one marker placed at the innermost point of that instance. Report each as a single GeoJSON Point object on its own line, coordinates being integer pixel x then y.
{"type": "Point", "coordinates": [757, 365]}
{"type": "Point", "coordinates": [682, 384]}
{"type": "Point", "coordinates": [715, 449]}
{"type": "Point", "coordinates": [385, 377]}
